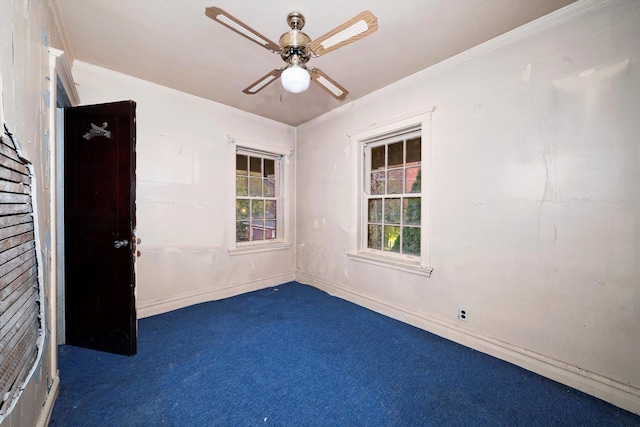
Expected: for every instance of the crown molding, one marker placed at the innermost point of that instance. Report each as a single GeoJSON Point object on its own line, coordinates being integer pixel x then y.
{"type": "Point", "coordinates": [560, 16]}
{"type": "Point", "coordinates": [62, 31]}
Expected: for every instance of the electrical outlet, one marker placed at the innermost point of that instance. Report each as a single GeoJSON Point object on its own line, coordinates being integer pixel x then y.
{"type": "Point", "coordinates": [463, 314]}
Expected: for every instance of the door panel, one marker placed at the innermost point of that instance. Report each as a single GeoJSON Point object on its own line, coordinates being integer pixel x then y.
{"type": "Point", "coordinates": [100, 221]}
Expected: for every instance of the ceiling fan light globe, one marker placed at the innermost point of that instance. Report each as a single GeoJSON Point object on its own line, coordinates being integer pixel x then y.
{"type": "Point", "coordinates": [295, 79]}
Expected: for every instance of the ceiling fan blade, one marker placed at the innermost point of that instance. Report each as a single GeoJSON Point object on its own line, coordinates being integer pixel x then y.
{"type": "Point", "coordinates": [354, 29]}
{"type": "Point", "coordinates": [244, 30]}
{"type": "Point", "coordinates": [263, 82]}
{"type": "Point", "coordinates": [328, 84]}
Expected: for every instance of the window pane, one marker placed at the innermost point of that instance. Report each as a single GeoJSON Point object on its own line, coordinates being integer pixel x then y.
{"type": "Point", "coordinates": [378, 183]}
{"type": "Point", "coordinates": [413, 151]}
{"type": "Point", "coordinates": [393, 220]}
{"type": "Point", "coordinates": [374, 239]}
{"type": "Point", "coordinates": [241, 164]}
{"type": "Point", "coordinates": [392, 211]}
{"type": "Point", "coordinates": [411, 211]}
{"type": "Point", "coordinates": [269, 168]}
{"type": "Point", "coordinates": [255, 187]}
{"type": "Point", "coordinates": [377, 157]}
{"type": "Point", "coordinates": [411, 240]}
{"type": "Point", "coordinates": [257, 209]}
{"type": "Point", "coordinates": [375, 210]}
{"type": "Point", "coordinates": [242, 209]}
{"type": "Point", "coordinates": [242, 231]}
{"type": "Point", "coordinates": [255, 164]}
{"type": "Point", "coordinates": [257, 230]}
{"type": "Point", "coordinates": [242, 185]}
{"type": "Point", "coordinates": [270, 208]}
{"type": "Point", "coordinates": [269, 188]}
{"type": "Point", "coordinates": [396, 157]}
{"type": "Point", "coordinates": [270, 230]}
{"type": "Point", "coordinates": [392, 238]}
{"type": "Point", "coordinates": [256, 197]}
{"type": "Point", "coordinates": [412, 184]}
{"type": "Point", "coordinates": [394, 185]}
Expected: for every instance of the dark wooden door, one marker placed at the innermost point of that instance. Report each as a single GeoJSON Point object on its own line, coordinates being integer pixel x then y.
{"type": "Point", "coordinates": [99, 227]}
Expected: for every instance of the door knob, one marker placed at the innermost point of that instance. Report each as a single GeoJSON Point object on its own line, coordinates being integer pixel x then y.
{"type": "Point", "coordinates": [120, 243]}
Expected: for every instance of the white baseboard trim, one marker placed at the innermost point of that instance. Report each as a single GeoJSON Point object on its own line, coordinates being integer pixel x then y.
{"type": "Point", "coordinates": [619, 394]}
{"type": "Point", "coordinates": [151, 308]}
{"type": "Point", "coordinates": [47, 408]}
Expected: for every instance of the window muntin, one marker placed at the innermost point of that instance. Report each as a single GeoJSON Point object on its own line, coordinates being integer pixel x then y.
{"type": "Point", "coordinates": [393, 195]}
{"type": "Point", "coordinates": [257, 197]}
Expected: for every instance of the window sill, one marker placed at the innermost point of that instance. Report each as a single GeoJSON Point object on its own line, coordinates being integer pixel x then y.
{"type": "Point", "coordinates": [382, 261]}
{"type": "Point", "coordinates": [252, 249]}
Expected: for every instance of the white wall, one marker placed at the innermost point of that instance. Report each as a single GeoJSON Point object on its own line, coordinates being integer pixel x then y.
{"type": "Point", "coordinates": [186, 190]}
{"type": "Point", "coordinates": [535, 199]}
{"type": "Point", "coordinates": [27, 30]}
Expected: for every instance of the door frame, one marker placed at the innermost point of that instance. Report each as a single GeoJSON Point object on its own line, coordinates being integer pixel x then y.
{"type": "Point", "coordinates": [63, 93]}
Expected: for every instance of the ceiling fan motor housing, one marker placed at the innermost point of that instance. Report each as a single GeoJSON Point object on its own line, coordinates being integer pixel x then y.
{"type": "Point", "coordinates": [295, 42]}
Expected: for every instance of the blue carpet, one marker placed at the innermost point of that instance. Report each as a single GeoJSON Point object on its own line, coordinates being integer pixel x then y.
{"type": "Point", "coordinates": [294, 356]}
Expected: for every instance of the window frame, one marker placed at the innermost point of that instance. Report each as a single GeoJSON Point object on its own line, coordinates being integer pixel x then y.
{"type": "Point", "coordinates": [282, 165]}
{"type": "Point", "coordinates": [417, 123]}
{"type": "Point", "coordinates": [367, 195]}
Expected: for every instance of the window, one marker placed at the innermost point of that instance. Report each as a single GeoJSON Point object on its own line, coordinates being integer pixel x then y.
{"type": "Point", "coordinates": [393, 196]}
{"type": "Point", "coordinates": [393, 189]}
{"type": "Point", "coordinates": [259, 205]}
{"type": "Point", "coordinates": [257, 197]}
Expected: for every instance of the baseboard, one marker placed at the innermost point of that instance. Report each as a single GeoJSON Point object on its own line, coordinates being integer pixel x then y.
{"type": "Point", "coordinates": [151, 308]}
{"type": "Point", "coordinates": [619, 394]}
{"type": "Point", "coordinates": [47, 408]}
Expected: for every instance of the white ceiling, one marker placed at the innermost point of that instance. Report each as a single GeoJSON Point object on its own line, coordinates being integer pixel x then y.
{"type": "Point", "coordinates": [173, 43]}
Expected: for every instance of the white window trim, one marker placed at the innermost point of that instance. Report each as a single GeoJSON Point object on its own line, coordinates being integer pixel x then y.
{"type": "Point", "coordinates": [418, 265]}
{"type": "Point", "coordinates": [283, 240]}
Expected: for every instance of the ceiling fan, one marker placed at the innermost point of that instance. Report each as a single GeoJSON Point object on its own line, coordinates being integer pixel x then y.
{"type": "Point", "coordinates": [296, 48]}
